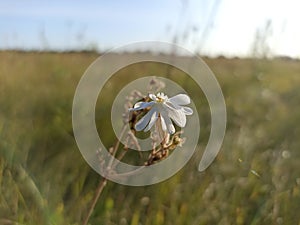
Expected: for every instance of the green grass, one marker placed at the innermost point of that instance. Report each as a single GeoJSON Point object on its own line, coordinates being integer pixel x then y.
{"type": "Point", "coordinates": [254, 180]}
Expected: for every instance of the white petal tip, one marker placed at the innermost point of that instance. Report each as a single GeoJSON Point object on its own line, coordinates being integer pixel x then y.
{"type": "Point", "coordinates": [171, 129]}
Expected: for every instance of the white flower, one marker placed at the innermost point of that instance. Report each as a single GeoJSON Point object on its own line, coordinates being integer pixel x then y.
{"type": "Point", "coordinates": [165, 109]}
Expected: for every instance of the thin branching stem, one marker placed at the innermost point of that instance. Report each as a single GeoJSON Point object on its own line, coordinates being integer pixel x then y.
{"type": "Point", "coordinates": [116, 147]}
{"type": "Point", "coordinates": [103, 181]}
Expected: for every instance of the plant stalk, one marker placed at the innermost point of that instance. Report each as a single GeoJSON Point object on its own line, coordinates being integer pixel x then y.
{"type": "Point", "coordinates": [99, 190]}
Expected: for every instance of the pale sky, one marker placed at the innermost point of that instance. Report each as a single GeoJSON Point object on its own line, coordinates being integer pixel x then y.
{"type": "Point", "coordinates": [212, 27]}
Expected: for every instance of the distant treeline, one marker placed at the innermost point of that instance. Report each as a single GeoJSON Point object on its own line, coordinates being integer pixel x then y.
{"type": "Point", "coordinates": [88, 51]}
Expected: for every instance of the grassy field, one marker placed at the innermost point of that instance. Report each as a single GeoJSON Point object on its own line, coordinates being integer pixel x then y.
{"type": "Point", "coordinates": [254, 180]}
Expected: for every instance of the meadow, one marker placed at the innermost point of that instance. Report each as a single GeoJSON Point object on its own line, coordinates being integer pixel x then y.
{"type": "Point", "coordinates": [254, 180]}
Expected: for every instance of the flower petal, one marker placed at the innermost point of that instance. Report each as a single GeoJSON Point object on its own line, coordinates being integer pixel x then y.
{"type": "Point", "coordinates": [153, 97]}
{"type": "Point", "coordinates": [169, 125]}
{"type": "Point", "coordinates": [141, 105]}
{"type": "Point", "coordinates": [163, 123]}
{"type": "Point", "coordinates": [142, 123]}
{"type": "Point", "coordinates": [187, 110]}
{"type": "Point", "coordinates": [173, 105]}
{"type": "Point", "coordinates": [180, 99]}
{"type": "Point", "coordinates": [152, 120]}
{"type": "Point", "coordinates": [177, 115]}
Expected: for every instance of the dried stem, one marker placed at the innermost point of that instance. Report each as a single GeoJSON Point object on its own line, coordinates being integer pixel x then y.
{"type": "Point", "coordinates": [132, 138]}
{"type": "Point", "coordinates": [103, 181]}
{"type": "Point", "coordinates": [116, 147]}
{"type": "Point", "coordinates": [99, 190]}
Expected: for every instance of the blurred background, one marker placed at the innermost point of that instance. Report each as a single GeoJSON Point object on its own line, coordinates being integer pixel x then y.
{"type": "Point", "coordinates": [226, 27]}
{"type": "Point", "coordinates": [251, 46]}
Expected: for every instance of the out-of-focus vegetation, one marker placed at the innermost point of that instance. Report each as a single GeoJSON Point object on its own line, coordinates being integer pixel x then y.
{"type": "Point", "coordinates": [254, 180]}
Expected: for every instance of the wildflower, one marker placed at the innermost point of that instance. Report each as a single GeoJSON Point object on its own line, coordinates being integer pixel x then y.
{"type": "Point", "coordinates": [163, 109]}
